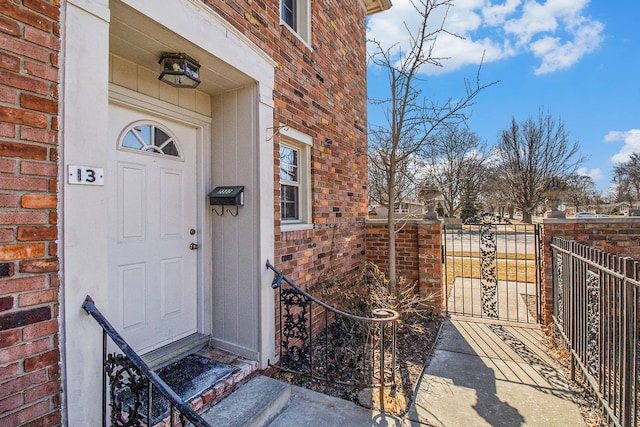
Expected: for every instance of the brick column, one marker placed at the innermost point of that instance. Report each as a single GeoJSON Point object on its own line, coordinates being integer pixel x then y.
{"type": "Point", "coordinates": [430, 261]}
{"type": "Point", "coordinates": [418, 256]}
{"type": "Point", "coordinates": [29, 282]}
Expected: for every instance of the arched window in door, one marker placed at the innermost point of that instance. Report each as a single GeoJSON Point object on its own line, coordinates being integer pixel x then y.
{"type": "Point", "coordinates": [150, 137]}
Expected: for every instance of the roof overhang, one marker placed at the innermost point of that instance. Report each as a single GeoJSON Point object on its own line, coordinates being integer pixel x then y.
{"type": "Point", "coordinates": [375, 6]}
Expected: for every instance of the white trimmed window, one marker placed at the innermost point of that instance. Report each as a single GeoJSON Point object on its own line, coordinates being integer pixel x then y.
{"type": "Point", "coordinates": [296, 15]}
{"type": "Point", "coordinates": [295, 179]}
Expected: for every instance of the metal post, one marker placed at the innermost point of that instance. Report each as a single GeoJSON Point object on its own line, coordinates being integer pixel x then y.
{"type": "Point", "coordinates": [310, 305]}
{"type": "Point", "coordinates": [326, 344]}
{"type": "Point", "coordinates": [105, 380]}
{"type": "Point", "coordinates": [149, 403]}
{"type": "Point", "coordinates": [382, 376]}
{"type": "Point", "coordinates": [629, 342]}
{"type": "Point", "coordinates": [393, 352]}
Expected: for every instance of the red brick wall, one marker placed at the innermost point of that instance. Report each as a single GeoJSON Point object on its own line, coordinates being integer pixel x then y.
{"type": "Point", "coordinates": [29, 355]}
{"type": "Point", "coordinates": [320, 91]}
{"type": "Point", "coordinates": [418, 254]}
{"type": "Point", "coordinates": [620, 236]}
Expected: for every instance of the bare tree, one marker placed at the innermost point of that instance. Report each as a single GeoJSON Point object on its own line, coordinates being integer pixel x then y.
{"type": "Point", "coordinates": [456, 164]}
{"type": "Point", "coordinates": [531, 153]}
{"type": "Point", "coordinates": [411, 117]}
{"type": "Point", "coordinates": [627, 177]}
{"type": "Point", "coordinates": [580, 190]}
{"type": "Point", "coordinates": [494, 195]}
{"type": "Point", "coordinates": [407, 178]}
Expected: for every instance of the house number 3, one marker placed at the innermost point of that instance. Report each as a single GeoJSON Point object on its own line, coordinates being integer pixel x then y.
{"type": "Point", "coordinates": [85, 175]}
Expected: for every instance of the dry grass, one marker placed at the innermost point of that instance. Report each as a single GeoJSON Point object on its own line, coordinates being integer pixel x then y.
{"type": "Point", "coordinates": [522, 269]}
{"type": "Point", "coordinates": [478, 254]}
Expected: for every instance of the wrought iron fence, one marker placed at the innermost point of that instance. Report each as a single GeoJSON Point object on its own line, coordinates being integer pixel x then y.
{"type": "Point", "coordinates": [596, 306]}
{"type": "Point", "coordinates": [323, 343]}
{"type": "Point", "coordinates": [131, 390]}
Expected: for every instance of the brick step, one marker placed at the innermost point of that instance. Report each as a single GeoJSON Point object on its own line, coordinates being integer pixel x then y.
{"type": "Point", "coordinates": [256, 404]}
{"type": "Point", "coordinates": [247, 369]}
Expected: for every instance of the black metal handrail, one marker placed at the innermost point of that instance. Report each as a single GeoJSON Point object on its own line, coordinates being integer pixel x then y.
{"type": "Point", "coordinates": [297, 334]}
{"type": "Point", "coordinates": [132, 365]}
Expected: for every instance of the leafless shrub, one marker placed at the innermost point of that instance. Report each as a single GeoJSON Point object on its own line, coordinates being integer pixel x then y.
{"type": "Point", "coordinates": [371, 291]}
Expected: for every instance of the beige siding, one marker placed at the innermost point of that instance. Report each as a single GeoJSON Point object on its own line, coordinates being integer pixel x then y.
{"type": "Point", "coordinates": [234, 162]}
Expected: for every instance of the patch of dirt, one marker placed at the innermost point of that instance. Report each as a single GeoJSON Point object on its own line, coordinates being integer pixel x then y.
{"type": "Point", "coordinates": [415, 341]}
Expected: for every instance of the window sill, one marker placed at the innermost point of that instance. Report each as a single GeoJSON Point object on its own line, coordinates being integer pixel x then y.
{"type": "Point", "coordinates": [295, 227]}
{"type": "Point", "coordinates": [293, 33]}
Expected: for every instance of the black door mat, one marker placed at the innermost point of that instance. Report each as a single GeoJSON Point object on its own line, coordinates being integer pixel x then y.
{"type": "Point", "coordinates": [187, 377]}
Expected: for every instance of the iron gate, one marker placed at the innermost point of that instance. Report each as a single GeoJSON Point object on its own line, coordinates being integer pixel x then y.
{"type": "Point", "coordinates": [492, 269]}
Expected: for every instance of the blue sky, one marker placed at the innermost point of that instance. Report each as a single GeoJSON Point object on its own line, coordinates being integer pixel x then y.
{"type": "Point", "coordinates": [578, 60]}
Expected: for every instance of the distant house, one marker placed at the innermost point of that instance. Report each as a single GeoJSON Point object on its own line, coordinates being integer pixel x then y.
{"type": "Point", "coordinates": [402, 208]}
{"type": "Point", "coordinates": [106, 173]}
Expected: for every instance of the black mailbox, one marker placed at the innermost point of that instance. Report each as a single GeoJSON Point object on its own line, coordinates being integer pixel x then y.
{"type": "Point", "coordinates": [230, 195]}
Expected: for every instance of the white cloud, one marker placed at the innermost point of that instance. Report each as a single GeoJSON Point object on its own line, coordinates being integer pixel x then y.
{"type": "Point", "coordinates": [556, 32]}
{"type": "Point", "coordinates": [497, 14]}
{"type": "Point", "coordinates": [631, 139]}
{"type": "Point", "coordinates": [595, 173]}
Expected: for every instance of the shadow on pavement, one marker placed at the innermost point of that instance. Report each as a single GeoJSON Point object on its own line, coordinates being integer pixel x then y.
{"type": "Point", "coordinates": [464, 369]}
{"type": "Point", "coordinates": [486, 372]}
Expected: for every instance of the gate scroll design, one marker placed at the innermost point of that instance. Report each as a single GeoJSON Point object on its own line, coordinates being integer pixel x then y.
{"type": "Point", "coordinates": [488, 266]}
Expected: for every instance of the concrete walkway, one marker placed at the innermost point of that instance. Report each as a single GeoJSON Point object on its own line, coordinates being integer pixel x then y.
{"type": "Point", "coordinates": [482, 374]}
{"type": "Point", "coordinates": [486, 373]}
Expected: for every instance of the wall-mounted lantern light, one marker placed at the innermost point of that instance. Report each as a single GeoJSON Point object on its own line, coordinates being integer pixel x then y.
{"type": "Point", "coordinates": [179, 70]}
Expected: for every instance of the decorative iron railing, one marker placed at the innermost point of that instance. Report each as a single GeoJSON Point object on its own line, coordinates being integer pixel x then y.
{"type": "Point", "coordinates": [130, 387]}
{"type": "Point", "coordinates": [596, 303]}
{"type": "Point", "coordinates": [326, 344]}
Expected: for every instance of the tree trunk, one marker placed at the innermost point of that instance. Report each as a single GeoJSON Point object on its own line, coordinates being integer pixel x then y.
{"type": "Point", "coordinates": [391, 228]}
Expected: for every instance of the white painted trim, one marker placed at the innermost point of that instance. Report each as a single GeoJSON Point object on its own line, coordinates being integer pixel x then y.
{"type": "Point", "coordinates": [196, 22]}
{"type": "Point", "coordinates": [93, 8]}
{"type": "Point", "coordinates": [303, 18]}
{"type": "Point", "coordinates": [285, 227]}
{"type": "Point", "coordinates": [140, 101]}
{"type": "Point", "coordinates": [84, 267]}
{"type": "Point", "coordinates": [291, 133]}
{"type": "Point", "coordinates": [303, 143]}
{"type": "Point", "coordinates": [234, 348]}
{"type": "Point", "coordinates": [295, 34]}
{"type": "Point", "coordinates": [265, 226]}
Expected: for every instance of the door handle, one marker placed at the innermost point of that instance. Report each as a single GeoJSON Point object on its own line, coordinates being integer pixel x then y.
{"type": "Point", "coordinates": [193, 246]}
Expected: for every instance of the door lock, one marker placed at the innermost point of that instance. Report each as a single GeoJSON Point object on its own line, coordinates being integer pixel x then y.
{"type": "Point", "coordinates": [193, 246]}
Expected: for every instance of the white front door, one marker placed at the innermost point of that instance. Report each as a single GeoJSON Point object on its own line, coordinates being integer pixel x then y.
{"type": "Point", "coordinates": [154, 231]}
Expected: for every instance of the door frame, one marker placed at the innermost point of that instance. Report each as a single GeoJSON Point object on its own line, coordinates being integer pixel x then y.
{"type": "Point", "coordinates": [136, 101]}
